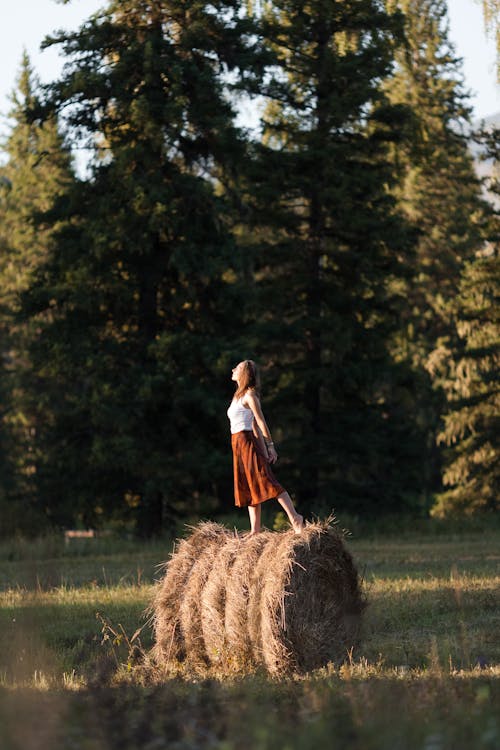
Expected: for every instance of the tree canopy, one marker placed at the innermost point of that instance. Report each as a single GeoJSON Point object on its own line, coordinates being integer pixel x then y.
{"type": "Point", "coordinates": [340, 243]}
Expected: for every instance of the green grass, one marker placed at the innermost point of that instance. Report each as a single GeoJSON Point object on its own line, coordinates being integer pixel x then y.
{"type": "Point", "coordinates": [425, 675]}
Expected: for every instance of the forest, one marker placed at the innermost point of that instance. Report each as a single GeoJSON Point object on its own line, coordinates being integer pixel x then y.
{"type": "Point", "coordinates": [152, 235]}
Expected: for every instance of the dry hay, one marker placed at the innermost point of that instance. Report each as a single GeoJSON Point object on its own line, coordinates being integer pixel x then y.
{"type": "Point", "coordinates": [169, 641]}
{"type": "Point", "coordinates": [267, 605]}
{"type": "Point", "coordinates": [240, 586]}
{"type": "Point", "coordinates": [213, 601]}
{"type": "Point", "coordinates": [289, 602]}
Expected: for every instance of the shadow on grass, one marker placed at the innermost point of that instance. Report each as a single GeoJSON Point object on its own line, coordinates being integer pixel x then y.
{"type": "Point", "coordinates": [321, 712]}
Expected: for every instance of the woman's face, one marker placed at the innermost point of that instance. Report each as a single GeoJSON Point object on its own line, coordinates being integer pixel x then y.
{"type": "Point", "coordinates": [237, 371]}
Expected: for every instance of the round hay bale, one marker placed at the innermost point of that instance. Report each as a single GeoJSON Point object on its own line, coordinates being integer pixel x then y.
{"type": "Point", "coordinates": [169, 641]}
{"type": "Point", "coordinates": [213, 602]}
{"type": "Point", "coordinates": [190, 605]}
{"type": "Point", "coordinates": [266, 616]}
{"type": "Point", "coordinates": [289, 602]}
{"type": "Point", "coordinates": [240, 585]}
{"type": "Point", "coordinates": [311, 601]}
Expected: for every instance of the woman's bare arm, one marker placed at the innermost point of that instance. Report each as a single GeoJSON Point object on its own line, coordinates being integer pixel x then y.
{"type": "Point", "coordinates": [260, 439]}
{"type": "Point", "coordinates": [253, 402]}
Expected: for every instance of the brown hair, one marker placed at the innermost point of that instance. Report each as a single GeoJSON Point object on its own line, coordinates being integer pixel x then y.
{"type": "Point", "coordinates": [250, 378]}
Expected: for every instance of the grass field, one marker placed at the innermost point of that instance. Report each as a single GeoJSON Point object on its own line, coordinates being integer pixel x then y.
{"type": "Point", "coordinates": [425, 675]}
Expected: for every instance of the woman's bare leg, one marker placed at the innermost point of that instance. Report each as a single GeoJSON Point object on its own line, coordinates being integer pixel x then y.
{"type": "Point", "coordinates": [254, 511]}
{"type": "Point", "coordinates": [295, 518]}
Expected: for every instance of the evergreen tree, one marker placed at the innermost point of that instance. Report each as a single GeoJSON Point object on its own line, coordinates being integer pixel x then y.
{"type": "Point", "coordinates": [471, 425]}
{"type": "Point", "coordinates": [36, 172]}
{"type": "Point", "coordinates": [467, 367]}
{"type": "Point", "coordinates": [440, 192]}
{"type": "Point", "coordinates": [328, 250]}
{"type": "Point", "coordinates": [139, 287]}
{"type": "Point", "coordinates": [441, 196]}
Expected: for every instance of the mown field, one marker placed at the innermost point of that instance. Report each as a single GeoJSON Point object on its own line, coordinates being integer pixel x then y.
{"type": "Point", "coordinates": [426, 673]}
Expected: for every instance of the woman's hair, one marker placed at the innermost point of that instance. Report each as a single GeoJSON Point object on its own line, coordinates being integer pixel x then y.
{"type": "Point", "coordinates": [249, 379]}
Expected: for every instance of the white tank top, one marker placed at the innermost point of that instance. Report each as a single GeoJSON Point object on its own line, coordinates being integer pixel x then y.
{"type": "Point", "coordinates": [240, 417]}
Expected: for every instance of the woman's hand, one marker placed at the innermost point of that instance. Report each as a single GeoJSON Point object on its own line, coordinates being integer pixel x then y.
{"type": "Point", "coordinates": [271, 454]}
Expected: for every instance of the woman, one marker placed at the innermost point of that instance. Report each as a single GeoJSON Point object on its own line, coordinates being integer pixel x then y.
{"type": "Point", "coordinates": [253, 451]}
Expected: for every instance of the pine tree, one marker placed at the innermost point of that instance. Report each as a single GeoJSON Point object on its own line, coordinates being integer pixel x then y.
{"type": "Point", "coordinates": [36, 172]}
{"type": "Point", "coordinates": [441, 196]}
{"type": "Point", "coordinates": [467, 366]}
{"type": "Point", "coordinates": [139, 287]}
{"type": "Point", "coordinates": [328, 250]}
{"type": "Point", "coordinates": [440, 193]}
{"type": "Point", "coordinates": [471, 425]}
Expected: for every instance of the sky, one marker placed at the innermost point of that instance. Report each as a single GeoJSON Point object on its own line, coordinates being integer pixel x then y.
{"type": "Point", "coordinates": [29, 21]}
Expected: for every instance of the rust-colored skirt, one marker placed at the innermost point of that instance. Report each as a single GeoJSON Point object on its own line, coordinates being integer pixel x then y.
{"type": "Point", "coordinates": [254, 482]}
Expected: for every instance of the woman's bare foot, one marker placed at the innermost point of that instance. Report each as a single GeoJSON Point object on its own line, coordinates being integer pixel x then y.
{"type": "Point", "coordinates": [254, 512]}
{"type": "Point", "coordinates": [298, 524]}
